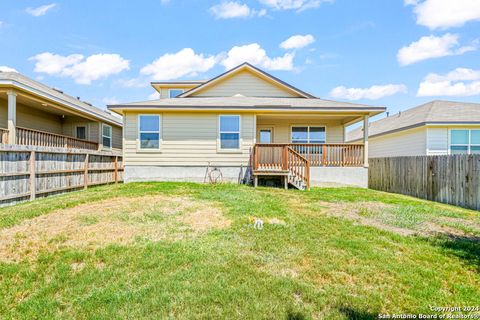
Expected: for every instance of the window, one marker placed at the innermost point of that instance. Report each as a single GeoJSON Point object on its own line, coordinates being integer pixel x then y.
{"type": "Point", "coordinates": [149, 131]}
{"type": "Point", "coordinates": [307, 134]}
{"type": "Point", "coordinates": [229, 132]}
{"type": "Point", "coordinates": [465, 141]}
{"type": "Point", "coordinates": [81, 132]}
{"type": "Point", "coordinates": [265, 135]}
{"type": "Point", "coordinates": [106, 136]}
{"type": "Point", "coordinates": [173, 93]}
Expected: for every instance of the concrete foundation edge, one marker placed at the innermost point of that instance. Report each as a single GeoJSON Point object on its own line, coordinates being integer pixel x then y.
{"type": "Point", "coordinates": [319, 176]}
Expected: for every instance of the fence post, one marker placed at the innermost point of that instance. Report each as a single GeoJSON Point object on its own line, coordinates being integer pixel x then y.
{"type": "Point", "coordinates": [116, 169]}
{"type": "Point", "coordinates": [85, 172]}
{"type": "Point", "coordinates": [33, 181]}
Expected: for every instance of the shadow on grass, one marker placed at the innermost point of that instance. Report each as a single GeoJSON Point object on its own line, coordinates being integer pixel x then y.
{"type": "Point", "coordinates": [292, 315]}
{"type": "Point", "coordinates": [465, 247]}
{"type": "Point", "coordinates": [353, 314]}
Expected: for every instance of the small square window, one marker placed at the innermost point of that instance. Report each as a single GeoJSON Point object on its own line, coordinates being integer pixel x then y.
{"type": "Point", "coordinates": [173, 93]}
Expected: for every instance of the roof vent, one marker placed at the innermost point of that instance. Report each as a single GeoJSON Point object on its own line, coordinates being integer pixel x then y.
{"type": "Point", "coordinates": [78, 98]}
{"type": "Point", "coordinates": [58, 90]}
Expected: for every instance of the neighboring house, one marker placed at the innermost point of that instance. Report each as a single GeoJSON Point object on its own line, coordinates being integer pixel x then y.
{"type": "Point", "coordinates": [244, 118]}
{"type": "Point", "coordinates": [434, 128]}
{"type": "Point", "coordinates": [34, 114]}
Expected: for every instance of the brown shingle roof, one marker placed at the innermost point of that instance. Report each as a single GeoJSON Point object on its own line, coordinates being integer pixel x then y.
{"type": "Point", "coordinates": [247, 103]}
{"type": "Point", "coordinates": [23, 82]}
{"type": "Point", "coordinates": [434, 112]}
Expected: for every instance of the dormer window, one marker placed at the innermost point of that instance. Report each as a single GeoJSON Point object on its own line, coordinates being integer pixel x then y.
{"type": "Point", "coordinates": [173, 93]}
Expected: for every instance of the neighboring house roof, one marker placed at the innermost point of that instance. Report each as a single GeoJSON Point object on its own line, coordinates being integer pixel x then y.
{"type": "Point", "coordinates": [240, 68]}
{"type": "Point", "coordinates": [434, 112]}
{"type": "Point", "coordinates": [17, 80]}
{"type": "Point", "coordinates": [249, 103]}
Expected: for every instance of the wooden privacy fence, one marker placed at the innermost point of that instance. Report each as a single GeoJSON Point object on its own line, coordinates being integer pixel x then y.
{"type": "Point", "coordinates": [29, 172]}
{"type": "Point", "coordinates": [453, 179]}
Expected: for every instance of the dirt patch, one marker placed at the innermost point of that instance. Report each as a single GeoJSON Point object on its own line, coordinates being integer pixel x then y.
{"type": "Point", "coordinates": [118, 220]}
{"type": "Point", "coordinates": [388, 217]}
{"type": "Point", "coordinates": [354, 211]}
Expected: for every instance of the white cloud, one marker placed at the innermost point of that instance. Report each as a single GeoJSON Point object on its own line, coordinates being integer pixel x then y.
{"type": "Point", "coordinates": [175, 65]}
{"type": "Point", "coordinates": [154, 96]}
{"type": "Point", "coordinates": [298, 5]}
{"type": "Point", "coordinates": [297, 41]}
{"type": "Point", "coordinates": [7, 69]}
{"type": "Point", "coordinates": [432, 47]}
{"type": "Point", "coordinates": [40, 11]}
{"type": "Point", "coordinates": [444, 14]}
{"type": "Point", "coordinates": [256, 55]}
{"type": "Point", "coordinates": [75, 66]}
{"type": "Point", "coordinates": [233, 9]}
{"type": "Point", "coordinates": [111, 100]}
{"type": "Point", "coordinates": [133, 83]}
{"type": "Point", "coordinates": [460, 82]}
{"type": "Point", "coordinates": [372, 93]}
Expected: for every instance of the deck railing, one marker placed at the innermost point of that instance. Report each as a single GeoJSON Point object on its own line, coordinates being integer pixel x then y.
{"type": "Point", "coordinates": [331, 155]}
{"type": "Point", "coordinates": [3, 136]}
{"type": "Point", "coordinates": [270, 156]}
{"type": "Point", "coordinates": [299, 166]}
{"type": "Point", "coordinates": [32, 137]}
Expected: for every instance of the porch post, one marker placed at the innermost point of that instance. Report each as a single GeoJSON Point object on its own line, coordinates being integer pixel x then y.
{"type": "Point", "coordinates": [12, 116]}
{"type": "Point", "coordinates": [365, 141]}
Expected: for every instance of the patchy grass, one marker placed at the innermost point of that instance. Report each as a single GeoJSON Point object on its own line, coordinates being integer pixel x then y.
{"type": "Point", "coordinates": [177, 250]}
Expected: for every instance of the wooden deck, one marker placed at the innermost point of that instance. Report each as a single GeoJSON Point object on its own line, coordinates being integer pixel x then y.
{"type": "Point", "coordinates": [30, 137]}
{"type": "Point", "coordinates": [292, 162]}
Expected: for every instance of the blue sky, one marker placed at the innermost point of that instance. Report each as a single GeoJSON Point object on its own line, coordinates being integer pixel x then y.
{"type": "Point", "coordinates": [375, 52]}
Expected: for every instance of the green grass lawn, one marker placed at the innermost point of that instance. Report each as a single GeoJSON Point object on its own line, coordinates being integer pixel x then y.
{"type": "Point", "coordinates": [178, 250]}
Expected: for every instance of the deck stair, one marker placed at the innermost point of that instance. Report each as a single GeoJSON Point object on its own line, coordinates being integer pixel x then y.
{"type": "Point", "coordinates": [281, 160]}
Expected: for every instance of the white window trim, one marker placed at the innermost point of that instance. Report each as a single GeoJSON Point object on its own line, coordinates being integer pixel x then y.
{"type": "Point", "coordinates": [308, 132]}
{"type": "Point", "coordinates": [160, 127]}
{"type": "Point", "coordinates": [469, 144]}
{"type": "Point", "coordinates": [174, 89]}
{"type": "Point", "coordinates": [104, 136]}
{"type": "Point", "coordinates": [219, 144]}
{"type": "Point", "coordinates": [86, 131]}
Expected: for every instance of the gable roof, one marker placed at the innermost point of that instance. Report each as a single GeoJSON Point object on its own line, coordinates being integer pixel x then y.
{"type": "Point", "coordinates": [17, 80]}
{"type": "Point", "coordinates": [434, 112]}
{"type": "Point", "coordinates": [246, 66]}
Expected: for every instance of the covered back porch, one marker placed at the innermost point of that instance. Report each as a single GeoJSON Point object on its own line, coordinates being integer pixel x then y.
{"type": "Point", "coordinates": [291, 145]}
{"type": "Point", "coordinates": [26, 119]}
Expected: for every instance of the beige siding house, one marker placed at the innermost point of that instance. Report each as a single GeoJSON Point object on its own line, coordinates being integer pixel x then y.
{"type": "Point", "coordinates": [32, 113]}
{"type": "Point", "coordinates": [434, 128]}
{"type": "Point", "coordinates": [243, 122]}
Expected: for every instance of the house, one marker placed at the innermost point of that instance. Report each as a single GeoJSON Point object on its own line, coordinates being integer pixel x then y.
{"type": "Point", "coordinates": [34, 114]}
{"type": "Point", "coordinates": [242, 119]}
{"type": "Point", "coordinates": [434, 128]}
